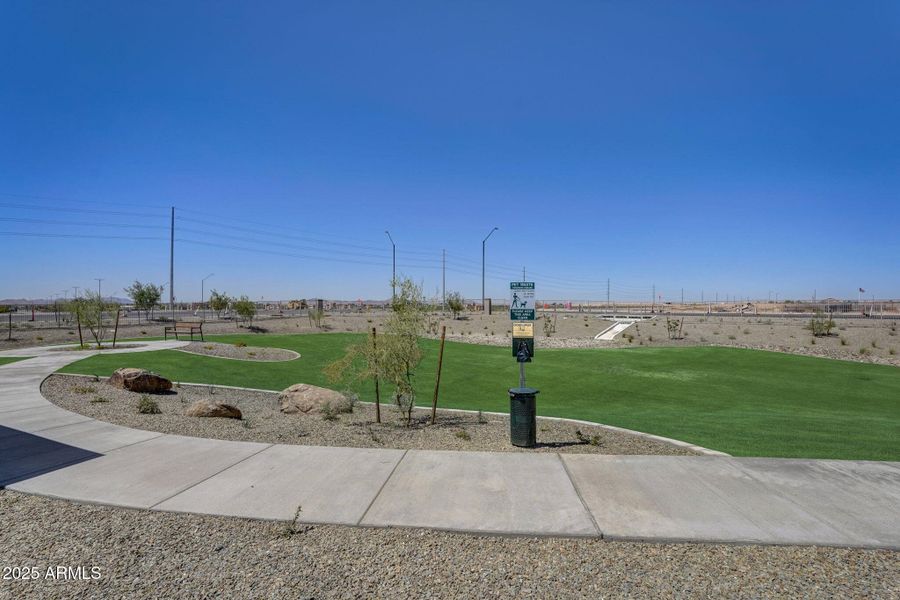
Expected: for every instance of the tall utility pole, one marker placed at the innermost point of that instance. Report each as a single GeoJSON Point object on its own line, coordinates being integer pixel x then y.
{"type": "Point", "coordinates": [76, 291]}
{"type": "Point", "coordinates": [98, 280]}
{"type": "Point", "coordinates": [653, 300]}
{"type": "Point", "coordinates": [523, 273]}
{"type": "Point", "coordinates": [394, 271]}
{"type": "Point", "coordinates": [483, 242]}
{"type": "Point", "coordinates": [682, 296]}
{"type": "Point", "coordinates": [203, 293]}
{"type": "Point", "coordinates": [607, 293]}
{"type": "Point", "coordinates": [172, 266]}
{"type": "Point", "coordinates": [443, 281]}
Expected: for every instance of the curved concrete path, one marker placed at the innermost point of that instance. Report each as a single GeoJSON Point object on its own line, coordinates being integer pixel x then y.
{"type": "Point", "coordinates": [50, 451]}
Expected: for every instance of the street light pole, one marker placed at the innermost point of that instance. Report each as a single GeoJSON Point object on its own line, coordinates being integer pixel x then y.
{"type": "Point", "coordinates": [98, 280]}
{"type": "Point", "coordinates": [203, 293]}
{"type": "Point", "coordinates": [394, 271]}
{"type": "Point", "coordinates": [483, 242]}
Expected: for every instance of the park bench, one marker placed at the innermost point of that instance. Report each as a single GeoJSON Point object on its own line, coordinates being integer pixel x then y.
{"type": "Point", "coordinates": [184, 328]}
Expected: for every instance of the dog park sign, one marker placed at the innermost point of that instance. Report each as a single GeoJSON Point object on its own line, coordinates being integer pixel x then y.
{"type": "Point", "coordinates": [521, 312]}
{"type": "Point", "coordinates": [521, 300]}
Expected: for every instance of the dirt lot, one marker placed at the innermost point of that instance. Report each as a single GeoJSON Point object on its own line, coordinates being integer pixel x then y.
{"type": "Point", "coordinates": [868, 340]}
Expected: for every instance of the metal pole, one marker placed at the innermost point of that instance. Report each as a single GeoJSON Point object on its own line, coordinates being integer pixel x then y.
{"type": "Point", "coordinates": [521, 374]}
{"type": "Point", "coordinates": [483, 242]}
{"type": "Point", "coordinates": [98, 280]}
{"type": "Point", "coordinates": [443, 281]}
{"type": "Point", "coordinates": [172, 265]}
{"type": "Point", "coordinates": [437, 382]}
{"type": "Point", "coordinates": [203, 293]}
{"type": "Point", "coordinates": [377, 393]}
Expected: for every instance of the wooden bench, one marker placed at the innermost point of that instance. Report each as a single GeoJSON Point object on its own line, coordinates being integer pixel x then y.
{"type": "Point", "coordinates": [184, 328]}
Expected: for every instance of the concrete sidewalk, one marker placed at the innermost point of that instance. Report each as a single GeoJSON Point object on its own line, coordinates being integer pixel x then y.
{"type": "Point", "coordinates": [47, 450]}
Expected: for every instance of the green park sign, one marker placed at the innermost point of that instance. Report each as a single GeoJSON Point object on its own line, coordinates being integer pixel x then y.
{"type": "Point", "coordinates": [521, 300]}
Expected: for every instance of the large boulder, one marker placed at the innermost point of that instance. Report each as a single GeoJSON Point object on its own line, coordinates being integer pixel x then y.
{"type": "Point", "coordinates": [139, 380]}
{"type": "Point", "coordinates": [305, 398]}
{"type": "Point", "coordinates": [208, 408]}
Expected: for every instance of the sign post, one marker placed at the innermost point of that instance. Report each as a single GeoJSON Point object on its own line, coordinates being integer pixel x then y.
{"type": "Point", "coordinates": [522, 409]}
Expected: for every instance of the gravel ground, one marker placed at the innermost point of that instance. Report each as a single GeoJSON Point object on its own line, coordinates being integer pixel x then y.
{"type": "Point", "coordinates": [142, 554]}
{"type": "Point", "coordinates": [239, 352]}
{"type": "Point", "coordinates": [264, 422]}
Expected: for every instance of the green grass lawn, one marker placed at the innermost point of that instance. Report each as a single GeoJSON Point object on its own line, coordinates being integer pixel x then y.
{"type": "Point", "coordinates": [5, 360]}
{"type": "Point", "coordinates": [744, 402]}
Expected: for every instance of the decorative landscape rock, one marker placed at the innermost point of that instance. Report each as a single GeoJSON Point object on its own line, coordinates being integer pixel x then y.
{"type": "Point", "coordinates": [305, 398]}
{"type": "Point", "coordinates": [208, 408]}
{"type": "Point", "coordinates": [139, 380]}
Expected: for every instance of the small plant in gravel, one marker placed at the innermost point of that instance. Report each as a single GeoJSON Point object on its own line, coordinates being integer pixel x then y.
{"type": "Point", "coordinates": [148, 406]}
{"type": "Point", "coordinates": [251, 354]}
{"type": "Point", "coordinates": [649, 338]}
{"type": "Point", "coordinates": [294, 527]}
{"type": "Point", "coordinates": [732, 337]}
{"type": "Point", "coordinates": [863, 350]}
{"type": "Point", "coordinates": [843, 341]}
{"type": "Point", "coordinates": [892, 352]}
{"type": "Point", "coordinates": [98, 400]}
{"type": "Point", "coordinates": [208, 346]}
{"type": "Point", "coordinates": [593, 440]}
{"type": "Point", "coordinates": [874, 345]}
{"type": "Point", "coordinates": [812, 342]}
{"type": "Point", "coordinates": [372, 435]}
{"type": "Point", "coordinates": [246, 423]}
{"type": "Point", "coordinates": [463, 435]}
{"type": "Point", "coordinates": [84, 389]}
{"type": "Point", "coordinates": [481, 419]}
{"type": "Point", "coordinates": [240, 344]}
{"type": "Point", "coordinates": [746, 332]}
{"type": "Point", "coordinates": [329, 412]}
{"type": "Point", "coordinates": [39, 338]}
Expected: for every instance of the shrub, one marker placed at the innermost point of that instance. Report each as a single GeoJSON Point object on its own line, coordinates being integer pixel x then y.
{"type": "Point", "coordinates": [148, 406]}
{"type": "Point", "coordinates": [549, 326]}
{"type": "Point", "coordinates": [84, 389]}
{"type": "Point", "coordinates": [455, 303]}
{"type": "Point", "coordinates": [863, 350]}
{"type": "Point", "coordinates": [819, 325]}
{"type": "Point", "coordinates": [245, 308]}
{"type": "Point", "coordinates": [463, 435]}
{"type": "Point", "coordinates": [240, 344]}
{"type": "Point", "coordinates": [843, 341]}
{"type": "Point", "coordinates": [731, 337]}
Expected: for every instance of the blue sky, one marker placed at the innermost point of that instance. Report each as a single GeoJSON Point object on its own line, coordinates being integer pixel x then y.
{"type": "Point", "coordinates": [731, 147]}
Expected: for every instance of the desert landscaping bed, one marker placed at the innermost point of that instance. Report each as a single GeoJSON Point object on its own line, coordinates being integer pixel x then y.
{"type": "Point", "coordinates": [240, 352]}
{"type": "Point", "coordinates": [142, 554]}
{"type": "Point", "coordinates": [263, 421]}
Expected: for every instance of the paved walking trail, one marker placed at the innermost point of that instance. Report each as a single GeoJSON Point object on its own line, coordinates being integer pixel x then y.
{"type": "Point", "coordinates": [49, 451]}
